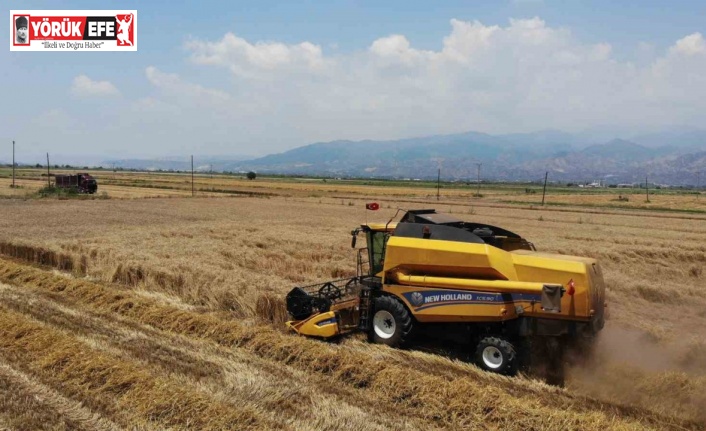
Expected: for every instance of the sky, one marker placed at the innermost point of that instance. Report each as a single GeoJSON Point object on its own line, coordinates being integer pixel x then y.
{"type": "Point", "coordinates": [259, 77]}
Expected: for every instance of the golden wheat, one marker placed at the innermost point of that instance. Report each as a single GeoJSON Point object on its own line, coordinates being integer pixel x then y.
{"type": "Point", "coordinates": [419, 386]}
{"type": "Point", "coordinates": [188, 266]}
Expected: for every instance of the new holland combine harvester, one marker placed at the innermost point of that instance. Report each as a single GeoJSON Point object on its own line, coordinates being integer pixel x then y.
{"type": "Point", "coordinates": [468, 283]}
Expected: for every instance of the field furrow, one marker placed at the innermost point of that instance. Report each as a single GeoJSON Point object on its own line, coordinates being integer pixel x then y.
{"type": "Point", "coordinates": [28, 404]}
{"type": "Point", "coordinates": [167, 314]}
{"type": "Point", "coordinates": [466, 398]}
{"type": "Point", "coordinates": [230, 375]}
{"type": "Point", "coordinates": [123, 391]}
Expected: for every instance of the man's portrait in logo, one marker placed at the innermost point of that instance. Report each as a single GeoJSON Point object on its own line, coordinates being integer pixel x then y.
{"type": "Point", "coordinates": [416, 299]}
{"type": "Point", "coordinates": [22, 30]}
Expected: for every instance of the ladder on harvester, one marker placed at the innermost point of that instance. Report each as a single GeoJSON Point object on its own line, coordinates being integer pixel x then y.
{"type": "Point", "coordinates": [368, 283]}
{"type": "Point", "coordinates": [366, 306]}
{"type": "Point", "coordinates": [361, 261]}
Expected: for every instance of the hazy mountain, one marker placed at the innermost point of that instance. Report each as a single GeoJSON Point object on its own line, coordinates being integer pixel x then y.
{"type": "Point", "coordinates": [522, 156]}
{"type": "Point", "coordinates": [619, 150]}
{"type": "Point", "coordinates": [681, 139]}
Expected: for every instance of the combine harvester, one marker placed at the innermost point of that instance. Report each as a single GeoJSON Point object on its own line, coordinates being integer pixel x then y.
{"type": "Point", "coordinates": [465, 283]}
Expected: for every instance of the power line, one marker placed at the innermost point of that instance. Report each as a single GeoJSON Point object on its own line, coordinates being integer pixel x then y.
{"type": "Point", "coordinates": [48, 173]}
{"type": "Point", "coordinates": [13, 164]}
{"type": "Point", "coordinates": [478, 192]}
{"type": "Point", "coordinates": [544, 192]}
{"type": "Point", "coordinates": [438, 183]}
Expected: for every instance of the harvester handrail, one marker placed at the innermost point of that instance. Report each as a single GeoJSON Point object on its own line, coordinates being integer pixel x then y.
{"type": "Point", "coordinates": [393, 217]}
{"type": "Point", "coordinates": [359, 262]}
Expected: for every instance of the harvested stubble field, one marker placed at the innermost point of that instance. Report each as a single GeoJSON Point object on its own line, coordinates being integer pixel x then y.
{"type": "Point", "coordinates": [164, 314]}
{"type": "Point", "coordinates": [131, 185]}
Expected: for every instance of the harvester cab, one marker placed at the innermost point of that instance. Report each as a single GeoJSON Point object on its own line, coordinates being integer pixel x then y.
{"type": "Point", "coordinates": [469, 283]}
{"type": "Point", "coordinates": [372, 257]}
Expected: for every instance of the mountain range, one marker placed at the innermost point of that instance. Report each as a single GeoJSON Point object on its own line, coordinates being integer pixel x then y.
{"type": "Point", "coordinates": [670, 157]}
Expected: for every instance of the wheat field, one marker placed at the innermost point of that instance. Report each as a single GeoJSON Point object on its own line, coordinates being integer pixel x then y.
{"type": "Point", "coordinates": [166, 313]}
{"type": "Point", "coordinates": [131, 185]}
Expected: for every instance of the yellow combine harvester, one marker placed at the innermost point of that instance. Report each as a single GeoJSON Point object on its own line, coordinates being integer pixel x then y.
{"type": "Point", "coordinates": [470, 283]}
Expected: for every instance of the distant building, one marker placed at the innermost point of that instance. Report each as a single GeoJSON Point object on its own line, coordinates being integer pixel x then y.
{"type": "Point", "coordinates": [594, 185]}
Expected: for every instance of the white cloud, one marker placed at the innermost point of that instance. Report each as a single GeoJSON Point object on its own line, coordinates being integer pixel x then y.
{"type": "Point", "coordinates": [172, 84]}
{"type": "Point", "coordinates": [467, 38]}
{"type": "Point", "coordinates": [249, 96]}
{"type": "Point", "coordinates": [83, 86]}
{"type": "Point", "coordinates": [525, 75]}
{"type": "Point", "coordinates": [397, 48]}
{"type": "Point", "coordinates": [248, 59]}
{"type": "Point", "coordinates": [690, 45]}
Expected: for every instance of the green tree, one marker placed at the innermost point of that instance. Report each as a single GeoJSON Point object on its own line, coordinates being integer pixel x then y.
{"type": "Point", "coordinates": [251, 175]}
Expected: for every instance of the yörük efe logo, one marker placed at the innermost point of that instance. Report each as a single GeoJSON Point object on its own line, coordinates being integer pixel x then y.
{"type": "Point", "coordinates": [73, 30]}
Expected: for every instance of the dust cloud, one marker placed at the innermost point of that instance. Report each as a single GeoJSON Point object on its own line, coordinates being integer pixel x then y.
{"type": "Point", "coordinates": [629, 367]}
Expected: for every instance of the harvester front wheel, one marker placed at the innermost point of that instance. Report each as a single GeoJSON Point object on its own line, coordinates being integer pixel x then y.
{"type": "Point", "coordinates": [496, 355]}
{"type": "Point", "coordinates": [392, 323]}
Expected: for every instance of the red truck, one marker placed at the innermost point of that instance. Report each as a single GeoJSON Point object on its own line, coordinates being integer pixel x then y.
{"type": "Point", "coordinates": [83, 183]}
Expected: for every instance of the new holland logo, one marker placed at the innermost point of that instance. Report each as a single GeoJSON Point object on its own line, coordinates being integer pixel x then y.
{"type": "Point", "coordinates": [416, 299]}
{"type": "Point", "coordinates": [73, 30]}
{"type": "Point", "coordinates": [441, 297]}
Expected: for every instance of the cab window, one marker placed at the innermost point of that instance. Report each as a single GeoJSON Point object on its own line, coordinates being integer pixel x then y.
{"type": "Point", "coordinates": [376, 250]}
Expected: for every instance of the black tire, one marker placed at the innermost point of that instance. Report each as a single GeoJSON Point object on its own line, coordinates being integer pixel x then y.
{"type": "Point", "coordinates": [496, 355]}
{"type": "Point", "coordinates": [391, 322]}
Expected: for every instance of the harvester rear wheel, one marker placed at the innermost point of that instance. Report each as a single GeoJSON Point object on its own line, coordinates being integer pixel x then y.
{"type": "Point", "coordinates": [496, 355]}
{"type": "Point", "coordinates": [392, 323]}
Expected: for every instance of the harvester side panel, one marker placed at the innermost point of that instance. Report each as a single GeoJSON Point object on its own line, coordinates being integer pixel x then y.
{"type": "Point", "coordinates": [559, 269]}
{"type": "Point", "coordinates": [458, 258]}
{"type": "Point", "coordinates": [437, 305]}
{"type": "Point", "coordinates": [466, 266]}
{"type": "Point", "coordinates": [597, 296]}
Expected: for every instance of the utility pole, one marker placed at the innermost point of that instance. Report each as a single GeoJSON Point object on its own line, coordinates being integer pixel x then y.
{"type": "Point", "coordinates": [13, 164]}
{"type": "Point", "coordinates": [192, 176]}
{"type": "Point", "coordinates": [48, 174]}
{"type": "Point", "coordinates": [698, 184]}
{"type": "Point", "coordinates": [438, 183]}
{"type": "Point", "coordinates": [544, 192]}
{"type": "Point", "coordinates": [478, 192]}
{"type": "Point", "coordinates": [647, 190]}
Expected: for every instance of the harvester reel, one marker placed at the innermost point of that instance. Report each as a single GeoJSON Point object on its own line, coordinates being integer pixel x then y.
{"type": "Point", "coordinates": [496, 355]}
{"type": "Point", "coordinates": [330, 291]}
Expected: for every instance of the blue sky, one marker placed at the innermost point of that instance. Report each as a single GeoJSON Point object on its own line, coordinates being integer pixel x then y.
{"type": "Point", "coordinates": [261, 77]}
